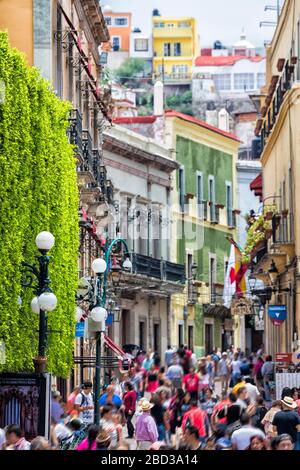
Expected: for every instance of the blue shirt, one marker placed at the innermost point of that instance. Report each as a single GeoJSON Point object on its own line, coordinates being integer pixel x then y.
{"type": "Point", "coordinates": [116, 400]}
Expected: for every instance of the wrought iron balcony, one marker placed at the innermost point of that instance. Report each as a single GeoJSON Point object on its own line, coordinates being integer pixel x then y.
{"type": "Point", "coordinates": [202, 210]}
{"type": "Point", "coordinates": [216, 293]}
{"type": "Point", "coordinates": [157, 268]}
{"type": "Point", "coordinates": [75, 130]}
{"type": "Point", "coordinates": [87, 151]}
{"type": "Point", "coordinates": [214, 214]}
{"type": "Point", "coordinates": [274, 100]}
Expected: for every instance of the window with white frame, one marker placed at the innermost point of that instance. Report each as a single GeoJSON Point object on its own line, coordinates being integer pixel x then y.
{"type": "Point", "coordinates": [261, 80]}
{"type": "Point", "coordinates": [141, 45]}
{"type": "Point", "coordinates": [159, 25]}
{"type": "Point", "coordinates": [107, 20]}
{"type": "Point", "coordinates": [222, 81]}
{"type": "Point", "coordinates": [121, 21]}
{"type": "Point", "coordinates": [212, 197]}
{"type": "Point", "coordinates": [243, 81]}
{"type": "Point", "coordinates": [181, 187]}
{"type": "Point", "coordinates": [167, 49]}
{"type": "Point", "coordinates": [199, 187]}
{"type": "Point", "coordinates": [177, 49]}
{"type": "Point", "coordinates": [229, 204]}
{"type": "Point", "coordinates": [177, 69]}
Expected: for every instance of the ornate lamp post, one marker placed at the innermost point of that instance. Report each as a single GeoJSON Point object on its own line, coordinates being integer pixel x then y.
{"type": "Point", "coordinates": [45, 301]}
{"type": "Point", "coordinates": [103, 269]}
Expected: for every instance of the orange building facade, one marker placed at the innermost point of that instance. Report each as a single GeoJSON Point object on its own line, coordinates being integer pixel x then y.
{"type": "Point", "coordinates": [119, 27]}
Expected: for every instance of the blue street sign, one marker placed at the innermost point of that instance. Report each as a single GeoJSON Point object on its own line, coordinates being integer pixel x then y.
{"type": "Point", "coordinates": [79, 331]}
{"type": "Point", "coordinates": [277, 314]}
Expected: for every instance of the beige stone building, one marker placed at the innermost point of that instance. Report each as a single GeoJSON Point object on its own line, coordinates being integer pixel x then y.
{"type": "Point", "coordinates": [279, 127]}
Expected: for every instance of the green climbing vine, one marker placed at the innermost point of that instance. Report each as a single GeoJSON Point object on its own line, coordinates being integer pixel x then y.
{"type": "Point", "coordinates": [38, 191]}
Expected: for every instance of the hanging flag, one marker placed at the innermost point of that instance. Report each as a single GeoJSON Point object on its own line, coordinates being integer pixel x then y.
{"type": "Point", "coordinates": [235, 282]}
{"type": "Point", "coordinates": [229, 285]}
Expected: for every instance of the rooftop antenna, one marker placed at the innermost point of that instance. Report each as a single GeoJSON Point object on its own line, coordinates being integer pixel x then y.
{"type": "Point", "coordinates": [276, 8]}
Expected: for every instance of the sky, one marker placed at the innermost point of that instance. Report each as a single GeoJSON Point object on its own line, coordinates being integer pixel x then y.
{"type": "Point", "coordinates": [217, 19]}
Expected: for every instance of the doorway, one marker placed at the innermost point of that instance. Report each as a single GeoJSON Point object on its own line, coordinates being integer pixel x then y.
{"type": "Point", "coordinates": [209, 340]}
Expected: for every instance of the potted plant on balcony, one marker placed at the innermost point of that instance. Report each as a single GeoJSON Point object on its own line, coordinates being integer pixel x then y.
{"type": "Point", "coordinates": [270, 211]}
{"type": "Point", "coordinates": [268, 229]}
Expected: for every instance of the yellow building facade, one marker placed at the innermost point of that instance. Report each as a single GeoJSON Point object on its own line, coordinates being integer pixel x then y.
{"type": "Point", "coordinates": [279, 128]}
{"type": "Point", "coordinates": [175, 45]}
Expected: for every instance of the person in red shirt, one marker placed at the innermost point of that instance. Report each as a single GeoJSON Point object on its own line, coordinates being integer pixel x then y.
{"type": "Point", "coordinates": [198, 418]}
{"type": "Point", "coordinates": [129, 400]}
{"type": "Point", "coordinates": [190, 383]}
{"type": "Point", "coordinates": [217, 423]}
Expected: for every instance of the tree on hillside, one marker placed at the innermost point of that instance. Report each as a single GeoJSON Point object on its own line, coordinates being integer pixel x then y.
{"type": "Point", "coordinates": [130, 71]}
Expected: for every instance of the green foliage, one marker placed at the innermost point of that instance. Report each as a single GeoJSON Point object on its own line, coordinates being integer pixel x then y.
{"type": "Point", "coordinates": [38, 192]}
{"type": "Point", "coordinates": [187, 97]}
{"type": "Point", "coordinates": [255, 235]}
{"type": "Point", "coordinates": [186, 110]}
{"type": "Point", "coordinates": [129, 70]}
{"type": "Point", "coordinates": [173, 101]}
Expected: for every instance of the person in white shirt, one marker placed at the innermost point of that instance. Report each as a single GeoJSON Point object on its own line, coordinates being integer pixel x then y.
{"type": "Point", "coordinates": [240, 439]}
{"type": "Point", "coordinates": [252, 390]}
{"type": "Point", "coordinates": [235, 369]}
{"type": "Point", "coordinates": [84, 404]}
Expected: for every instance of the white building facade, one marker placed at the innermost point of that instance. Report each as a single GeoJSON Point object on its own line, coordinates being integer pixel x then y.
{"type": "Point", "coordinates": [140, 172]}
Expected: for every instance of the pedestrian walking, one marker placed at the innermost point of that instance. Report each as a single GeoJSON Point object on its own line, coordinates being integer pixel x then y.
{"type": "Point", "coordinates": [191, 382]}
{"type": "Point", "coordinates": [146, 430]}
{"type": "Point", "coordinates": [14, 439]}
{"type": "Point", "coordinates": [267, 372]}
{"type": "Point", "coordinates": [240, 438]}
{"type": "Point", "coordinates": [89, 443]}
{"type": "Point", "coordinates": [129, 400]}
{"type": "Point", "coordinates": [224, 371]}
{"type": "Point", "coordinates": [175, 374]}
{"type": "Point", "coordinates": [84, 404]}
{"type": "Point", "coordinates": [198, 418]}
{"type": "Point", "coordinates": [287, 421]}
{"type": "Point", "coordinates": [169, 354]}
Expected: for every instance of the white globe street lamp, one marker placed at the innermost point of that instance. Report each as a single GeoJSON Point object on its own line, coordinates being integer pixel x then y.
{"type": "Point", "coordinates": [35, 306]}
{"type": "Point", "coordinates": [99, 314]}
{"type": "Point", "coordinates": [127, 265]}
{"type": "Point", "coordinates": [47, 301]}
{"type": "Point", "coordinates": [99, 266]}
{"type": "Point", "coordinates": [45, 241]}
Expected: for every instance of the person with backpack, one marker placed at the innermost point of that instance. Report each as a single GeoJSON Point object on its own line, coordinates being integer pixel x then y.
{"type": "Point", "coordinates": [198, 418]}
{"type": "Point", "coordinates": [84, 404]}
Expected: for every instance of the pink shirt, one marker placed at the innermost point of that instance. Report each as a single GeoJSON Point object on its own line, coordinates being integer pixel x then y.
{"type": "Point", "coordinates": [84, 445]}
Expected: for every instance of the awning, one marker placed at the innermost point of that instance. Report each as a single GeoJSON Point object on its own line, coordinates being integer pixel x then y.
{"type": "Point", "coordinates": [257, 185]}
{"type": "Point", "coordinates": [115, 348]}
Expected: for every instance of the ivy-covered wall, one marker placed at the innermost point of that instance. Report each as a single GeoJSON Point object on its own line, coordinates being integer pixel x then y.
{"type": "Point", "coordinates": [38, 191]}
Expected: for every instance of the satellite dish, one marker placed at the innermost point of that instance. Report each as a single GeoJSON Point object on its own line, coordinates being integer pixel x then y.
{"type": "Point", "coordinates": [84, 287]}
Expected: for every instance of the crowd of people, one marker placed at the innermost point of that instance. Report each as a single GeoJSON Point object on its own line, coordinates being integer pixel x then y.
{"type": "Point", "coordinates": [219, 402]}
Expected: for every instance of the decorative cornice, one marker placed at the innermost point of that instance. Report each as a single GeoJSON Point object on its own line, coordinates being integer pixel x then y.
{"type": "Point", "coordinates": [134, 171]}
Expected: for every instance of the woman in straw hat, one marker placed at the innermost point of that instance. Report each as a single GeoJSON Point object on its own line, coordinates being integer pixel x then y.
{"type": "Point", "coordinates": [287, 421]}
{"type": "Point", "coordinates": [146, 430]}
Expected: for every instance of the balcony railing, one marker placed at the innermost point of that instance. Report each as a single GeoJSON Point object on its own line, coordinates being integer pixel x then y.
{"type": "Point", "coordinates": [174, 32]}
{"type": "Point", "coordinates": [216, 293]}
{"type": "Point", "coordinates": [87, 152]}
{"type": "Point", "coordinates": [284, 232]}
{"type": "Point", "coordinates": [214, 211]}
{"type": "Point", "coordinates": [274, 100]}
{"type": "Point", "coordinates": [158, 269]}
{"type": "Point", "coordinates": [75, 130]}
{"type": "Point", "coordinates": [177, 77]}
{"type": "Point", "coordinates": [202, 210]}
{"type": "Point", "coordinates": [231, 218]}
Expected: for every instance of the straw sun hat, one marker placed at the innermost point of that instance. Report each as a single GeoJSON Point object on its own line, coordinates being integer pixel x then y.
{"type": "Point", "coordinates": [289, 403]}
{"type": "Point", "coordinates": [146, 405]}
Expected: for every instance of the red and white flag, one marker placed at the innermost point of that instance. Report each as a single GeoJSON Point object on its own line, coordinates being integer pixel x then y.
{"type": "Point", "coordinates": [230, 284]}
